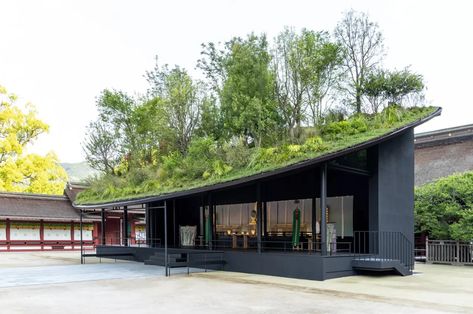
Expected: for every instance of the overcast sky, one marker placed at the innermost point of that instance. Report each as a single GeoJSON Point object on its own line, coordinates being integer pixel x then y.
{"type": "Point", "coordinates": [60, 54]}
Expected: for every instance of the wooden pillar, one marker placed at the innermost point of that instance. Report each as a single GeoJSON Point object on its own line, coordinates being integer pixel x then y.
{"type": "Point", "coordinates": [41, 233]}
{"type": "Point", "coordinates": [259, 216]}
{"type": "Point", "coordinates": [125, 226]}
{"type": "Point", "coordinates": [323, 208]}
{"type": "Point", "coordinates": [72, 234]}
{"type": "Point", "coordinates": [7, 231]}
{"type": "Point", "coordinates": [102, 227]}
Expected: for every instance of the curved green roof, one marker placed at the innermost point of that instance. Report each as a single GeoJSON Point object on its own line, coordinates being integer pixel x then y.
{"type": "Point", "coordinates": [334, 149]}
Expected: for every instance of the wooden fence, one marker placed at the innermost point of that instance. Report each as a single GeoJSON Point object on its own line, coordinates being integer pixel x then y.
{"type": "Point", "coordinates": [449, 252]}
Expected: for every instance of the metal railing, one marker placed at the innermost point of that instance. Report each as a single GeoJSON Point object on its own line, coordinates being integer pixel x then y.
{"type": "Point", "coordinates": [384, 246]}
{"type": "Point", "coordinates": [283, 246]}
{"type": "Point", "coordinates": [132, 241]}
{"type": "Point", "coordinates": [449, 252]}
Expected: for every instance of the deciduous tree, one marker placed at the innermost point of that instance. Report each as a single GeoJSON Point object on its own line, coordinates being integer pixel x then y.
{"type": "Point", "coordinates": [21, 172]}
{"type": "Point", "coordinates": [362, 45]}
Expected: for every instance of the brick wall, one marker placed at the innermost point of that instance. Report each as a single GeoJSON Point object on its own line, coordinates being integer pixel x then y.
{"type": "Point", "coordinates": [442, 160]}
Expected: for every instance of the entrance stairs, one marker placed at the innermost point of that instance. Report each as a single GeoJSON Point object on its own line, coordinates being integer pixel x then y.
{"type": "Point", "coordinates": [382, 251]}
{"type": "Point", "coordinates": [175, 260]}
{"type": "Point", "coordinates": [380, 265]}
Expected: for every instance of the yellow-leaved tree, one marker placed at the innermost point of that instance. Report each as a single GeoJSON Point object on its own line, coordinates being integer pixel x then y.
{"type": "Point", "coordinates": [21, 172]}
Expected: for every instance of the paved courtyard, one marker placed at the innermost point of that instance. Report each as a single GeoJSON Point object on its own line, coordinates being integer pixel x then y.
{"type": "Point", "coordinates": [54, 282]}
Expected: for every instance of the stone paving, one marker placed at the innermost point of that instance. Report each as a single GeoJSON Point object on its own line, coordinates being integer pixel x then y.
{"type": "Point", "coordinates": [59, 284]}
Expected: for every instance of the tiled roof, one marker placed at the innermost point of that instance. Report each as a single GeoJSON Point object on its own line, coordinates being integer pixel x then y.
{"type": "Point", "coordinates": [36, 206]}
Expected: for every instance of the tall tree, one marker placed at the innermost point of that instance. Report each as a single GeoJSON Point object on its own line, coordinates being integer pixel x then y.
{"type": "Point", "coordinates": [21, 172]}
{"type": "Point", "coordinates": [362, 44]}
{"type": "Point", "coordinates": [248, 103]}
{"type": "Point", "coordinates": [102, 147]}
{"type": "Point", "coordinates": [182, 100]}
{"type": "Point", "coordinates": [383, 87]}
{"type": "Point", "coordinates": [241, 77]}
{"type": "Point", "coordinates": [306, 66]}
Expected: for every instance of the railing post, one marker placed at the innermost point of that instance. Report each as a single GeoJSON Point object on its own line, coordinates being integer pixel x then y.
{"type": "Point", "coordinates": [458, 252]}
{"type": "Point", "coordinates": [426, 249]}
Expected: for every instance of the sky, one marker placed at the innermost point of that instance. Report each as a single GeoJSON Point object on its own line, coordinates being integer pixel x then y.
{"type": "Point", "coordinates": [59, 55]}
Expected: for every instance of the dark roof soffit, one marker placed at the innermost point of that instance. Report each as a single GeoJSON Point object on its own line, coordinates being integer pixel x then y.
{"type": "Point", "coordinates": [263, 175]}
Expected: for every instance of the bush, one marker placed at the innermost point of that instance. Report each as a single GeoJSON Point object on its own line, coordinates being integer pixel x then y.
{"type": "Point", "coordinates": [444, 208]}
{"type": "Point", "coordinates": [355, 125]}
{"type": "Point", "coordinates": [236, 153]}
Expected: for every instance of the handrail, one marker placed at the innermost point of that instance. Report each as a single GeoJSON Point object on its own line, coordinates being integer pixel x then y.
{"type": "Point", "coordinates": [384, 246]}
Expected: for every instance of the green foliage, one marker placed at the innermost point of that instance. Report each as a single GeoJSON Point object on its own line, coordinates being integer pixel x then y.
{"type": "Point", "coordinates": [306, 67]}
{"type": "Point", "coordinates": [262, 106]}
{"type": "Point", "coordinates": [208, 161]}
{"type": "Point", "coordinates": [444, 208]}
{"type": "Point", "coordinates": [340, 129]}
{"type": "Point", "coordinates": [392, 87]}
{"type": "Point", "coordinates": [362, 44]}
{"type": "Point", "coordinates": [244, 82]}
{"type": "Point", "coordinates": [21, 172]}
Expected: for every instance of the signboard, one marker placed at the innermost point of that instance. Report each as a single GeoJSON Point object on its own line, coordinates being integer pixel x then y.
{"type": "Point", "coordinates": [140, 232]}
{"type": "Point", "coordinates": [24, 231]}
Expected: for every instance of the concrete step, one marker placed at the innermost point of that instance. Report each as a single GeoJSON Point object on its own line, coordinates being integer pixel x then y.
{"type": "Point", "coordinates": [380, 265]}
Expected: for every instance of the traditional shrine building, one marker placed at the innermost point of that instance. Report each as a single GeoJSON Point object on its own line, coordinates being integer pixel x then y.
{"type": "Point", "coordinates": [31, 222]}
{"type": "Point", "coordinates": [366, 193]}
{"type": "Point", "coordinates": [42, 222]}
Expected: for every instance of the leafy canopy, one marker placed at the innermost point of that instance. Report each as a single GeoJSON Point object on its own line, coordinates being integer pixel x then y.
{"type": "Point", "coordinates": [21, 172]}
{"type": "Point", "coordinates": [444, 208]}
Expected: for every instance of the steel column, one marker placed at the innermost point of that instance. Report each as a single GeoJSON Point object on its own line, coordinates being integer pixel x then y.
{"type": "Point", "coordinates": [323, 208]}
{"type": "Point", "coordinates": [314, 223]}
{"type": "Point", "coordinates": [147, 222]}
{"type": "Point", "coordinates": [166, 238]}
{"type": "Point", "coordinates": [125, 225]}
{"type": "Point", "coordinates": [81, 244]}
{"type": "Point", "coordinates": [265, 218]}
{"type": "Point", "coordinates": [259, 217]}
{"type": "Point", "coordinates": [211, 218]}
{"type": "Point", "coordinates": [102, 230]}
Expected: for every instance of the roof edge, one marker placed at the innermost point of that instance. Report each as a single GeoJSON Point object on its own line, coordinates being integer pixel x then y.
{"type": "Point", "coordinates": [34, 196]}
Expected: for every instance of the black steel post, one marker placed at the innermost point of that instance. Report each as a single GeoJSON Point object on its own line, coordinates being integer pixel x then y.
{"type": "Point", "coordinates": [147, 223]}
{"type": "Point", "coordinates": [211, 218]}
{"type": "Point", "coordinates": [125, 226]}
{"type": "Point", "coordinates": [166, 238]}
{"type": "Point", "coordinates": [202, 218]}
{"type": "Point", "coordinates": [265, 218]}
{"type": "Point", "coordinates": [102, 231]}
{"type": "Point", "coordinates": [81, 244]}
{"type": "Point", "coordinates": [323, 208]}
{"type": "Point", "coordinates": [259, 217]}
{"type": "Point", "coordinates": [174, 222]}
{"type": "Point", "coordinates": [314, 223]}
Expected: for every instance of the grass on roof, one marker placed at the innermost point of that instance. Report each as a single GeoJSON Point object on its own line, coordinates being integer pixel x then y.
{"type": "Point", "coordinates": [183, 173]}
